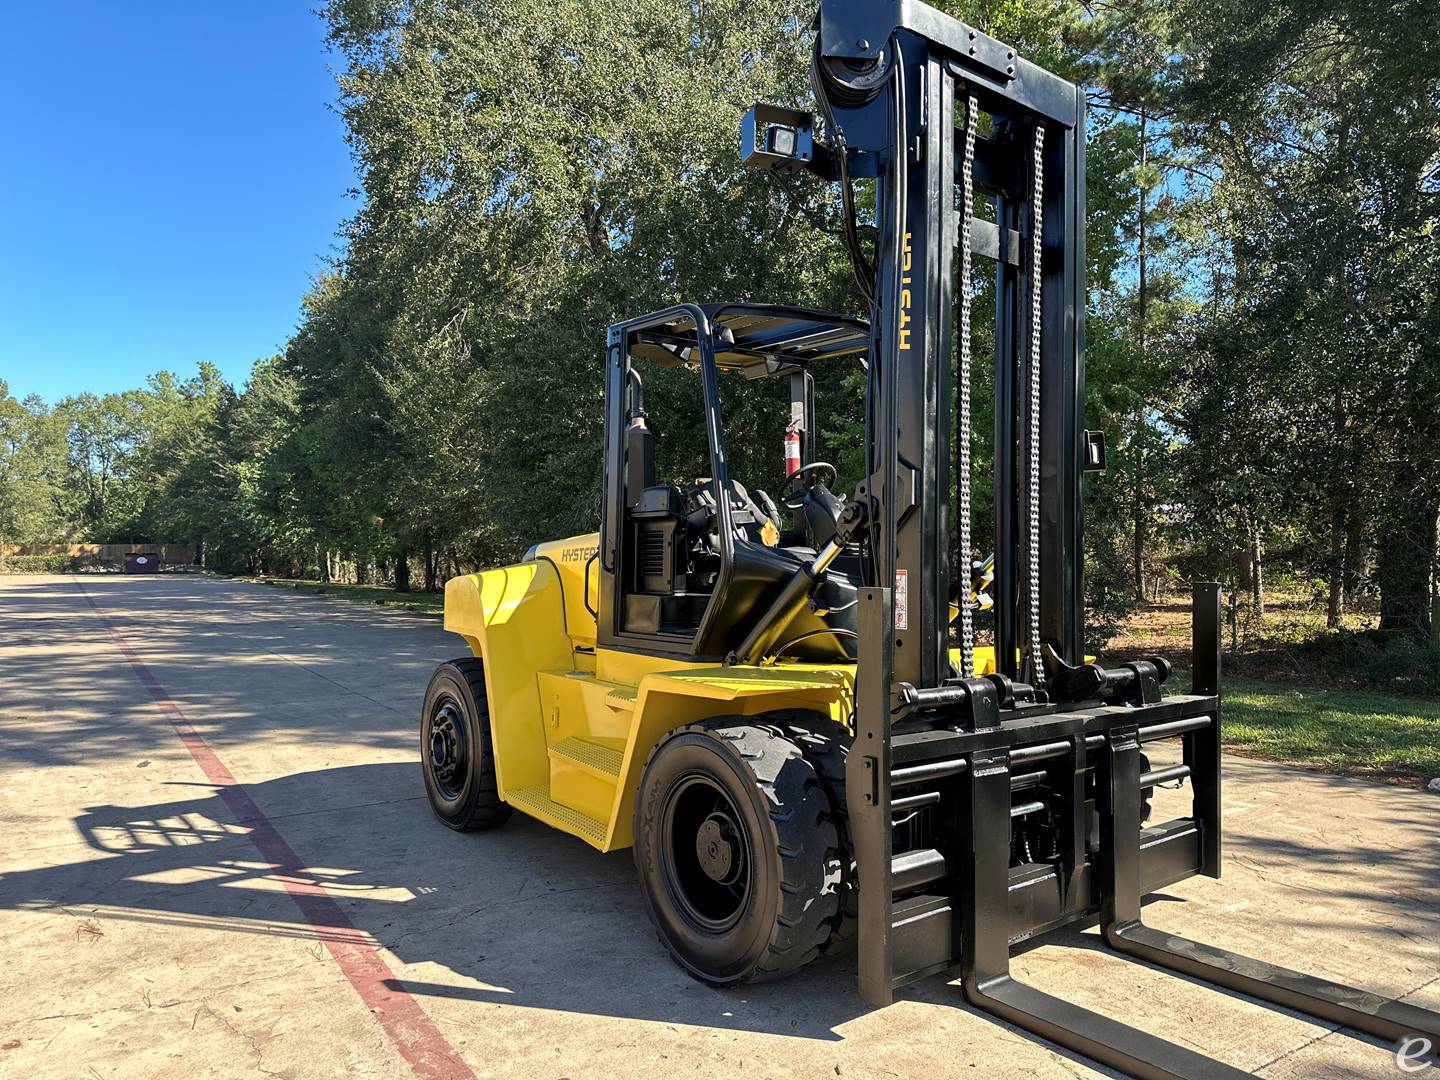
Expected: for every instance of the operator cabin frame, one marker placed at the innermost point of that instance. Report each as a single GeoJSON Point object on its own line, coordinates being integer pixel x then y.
{"type": "Point", "coordinates": [753, 341]}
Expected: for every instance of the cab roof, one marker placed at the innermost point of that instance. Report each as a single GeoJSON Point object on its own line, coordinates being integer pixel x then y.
{"type": "Point", "coordinates": [755, 340]}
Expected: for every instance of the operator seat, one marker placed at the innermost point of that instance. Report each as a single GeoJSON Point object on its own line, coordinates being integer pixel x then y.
{"type": "Point", "coordinates": [761, 571]}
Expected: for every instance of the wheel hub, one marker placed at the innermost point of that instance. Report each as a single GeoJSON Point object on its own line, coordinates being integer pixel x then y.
{"type": "Point", "coordinates": [447, 748]}
{"type": "Point", "coordinates": [706, 854]}
{"type": "Point", "coordinates": [716, 846]}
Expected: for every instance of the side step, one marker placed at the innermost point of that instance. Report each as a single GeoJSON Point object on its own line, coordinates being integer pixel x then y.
{"type": "Point", "coordinates": [584, 774]}
{"type": "Point", "coordinates": [599, 757]}
{"type": "Point", "coordinates": [536, 802]}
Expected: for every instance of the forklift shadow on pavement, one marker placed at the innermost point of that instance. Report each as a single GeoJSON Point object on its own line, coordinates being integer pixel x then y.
{"type": "Point", "coordinates": [525, 917]}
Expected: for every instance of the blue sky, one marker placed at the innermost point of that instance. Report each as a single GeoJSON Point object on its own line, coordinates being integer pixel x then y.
{"type": "Point", "coordinates": [172, 177]}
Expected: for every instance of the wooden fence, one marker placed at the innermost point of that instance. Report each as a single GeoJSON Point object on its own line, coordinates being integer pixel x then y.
{"type": "Point", "coordinates": [105, 554]}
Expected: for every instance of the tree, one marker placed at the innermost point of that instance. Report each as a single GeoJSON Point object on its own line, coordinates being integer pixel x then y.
{"type": "Point", "coordinates": [460, 339]}
{"type": "Point", "coordinates": [1329, 176]}
{"type": "Point", "coordinates": [33, 502]}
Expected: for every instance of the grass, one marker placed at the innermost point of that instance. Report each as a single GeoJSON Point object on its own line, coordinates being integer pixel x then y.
{"type": "Point", "coordinates": [1361, 733]}
{"type": "Point", "coordinates": [422, 603]}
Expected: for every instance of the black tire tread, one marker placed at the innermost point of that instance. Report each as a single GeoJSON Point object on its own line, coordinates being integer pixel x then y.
{"type": "Point", "coordinates": [488, 811]}
{"type": "Point", "coordinates": [826, 744]}
{"type": "Point", "coordinates": [804, 836]}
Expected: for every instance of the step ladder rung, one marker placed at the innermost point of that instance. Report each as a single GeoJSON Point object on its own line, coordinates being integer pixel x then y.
{"type": "Point", "coordinates": [621, 697]}
{"type": "Point", "coordinates": [536, 801]}
{"type": "Point", "coordinates": [591, 755]}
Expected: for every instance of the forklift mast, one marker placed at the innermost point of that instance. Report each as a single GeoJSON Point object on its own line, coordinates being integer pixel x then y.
{"type": "Point", "coordinates": [986, 810]}
{"type": "Point", "coordinates": [922, 135]}
{"type": "Point", "coordinates": [937, 112]}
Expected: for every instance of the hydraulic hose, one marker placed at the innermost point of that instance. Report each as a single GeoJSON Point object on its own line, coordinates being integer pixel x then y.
{"type": "Point", "coordinates": [793, 597]}
{"type": "Point", "coordinates": [822, 87]}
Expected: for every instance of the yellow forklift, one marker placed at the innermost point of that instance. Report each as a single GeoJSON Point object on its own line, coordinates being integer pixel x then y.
{"type": "Point", "coordinates": [781, 700]}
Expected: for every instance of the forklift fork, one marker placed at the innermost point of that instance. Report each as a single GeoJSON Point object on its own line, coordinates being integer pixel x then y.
{"type": "Point", "coordinates": [1124, 931]}
{"type": "Point", "coordinates": [985, 959]}
{"type": "Point", "coordinates": [985, 964]}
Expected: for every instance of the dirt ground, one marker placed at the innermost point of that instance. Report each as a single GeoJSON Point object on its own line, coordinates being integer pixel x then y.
{"type": "Point", "coordinates": [216, 859]}
{"type": "Point", "coordinates": [1273, 648]}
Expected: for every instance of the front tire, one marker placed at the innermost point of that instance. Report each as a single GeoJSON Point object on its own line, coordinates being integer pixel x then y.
{"type": "Point", "coordinates": [826, 745]}
{"type": "Point", "coordinates": [738, 856]}
{"type": "Point", "coordinates": [455, 748]}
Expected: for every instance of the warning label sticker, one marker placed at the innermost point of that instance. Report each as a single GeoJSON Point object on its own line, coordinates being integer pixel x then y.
{"type": "Point", "coordinates": [902, 599]}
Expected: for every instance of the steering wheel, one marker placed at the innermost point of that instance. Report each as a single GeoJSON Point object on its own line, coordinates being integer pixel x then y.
{"type": "Point", "coordinates": [794, 500]}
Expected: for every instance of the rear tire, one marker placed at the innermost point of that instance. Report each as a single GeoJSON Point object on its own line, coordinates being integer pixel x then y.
{"type": "Point", "coordinates": [738, 857]}
{"type": "Point", "coordinates": [455, 748]}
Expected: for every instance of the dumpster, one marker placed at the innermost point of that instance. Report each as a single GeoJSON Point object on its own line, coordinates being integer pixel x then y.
{"type": "Point", "coordinates": [142, 562]}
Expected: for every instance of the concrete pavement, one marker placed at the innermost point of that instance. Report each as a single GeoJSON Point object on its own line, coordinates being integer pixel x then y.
{"type": "Point", "coordinates": [216, 857]}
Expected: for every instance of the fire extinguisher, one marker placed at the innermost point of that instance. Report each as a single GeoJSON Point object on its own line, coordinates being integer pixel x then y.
{"type": "Point", "coordinates": [792, 451]}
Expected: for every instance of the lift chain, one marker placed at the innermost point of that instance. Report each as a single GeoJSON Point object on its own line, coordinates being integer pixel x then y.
{"type": "Point", "coordinates": [1032, 500]}
{"type": "Point", "coordinates": [965, 571]}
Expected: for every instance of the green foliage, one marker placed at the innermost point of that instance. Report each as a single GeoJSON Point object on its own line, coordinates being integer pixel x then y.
{"type": "Point", "coordinates": [461, 335]}
{"type": "Point", "coordinates": [418, 603]}
{"type": "Point", "coordinates": [33, 497]}
{"type": "Point", "coordinates": [1313, 388]}
{"type": "Point", "coordinates": [38, 564]}
{"type": "Point", "coordinates": [1382, 659]}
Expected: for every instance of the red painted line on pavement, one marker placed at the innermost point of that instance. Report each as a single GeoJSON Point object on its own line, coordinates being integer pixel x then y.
{"type": "Point", "coordinates": [412, 1031]}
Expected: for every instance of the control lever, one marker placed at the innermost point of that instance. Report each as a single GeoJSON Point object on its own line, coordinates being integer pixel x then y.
{"type": "Point", "coordinates": [796, 592]}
